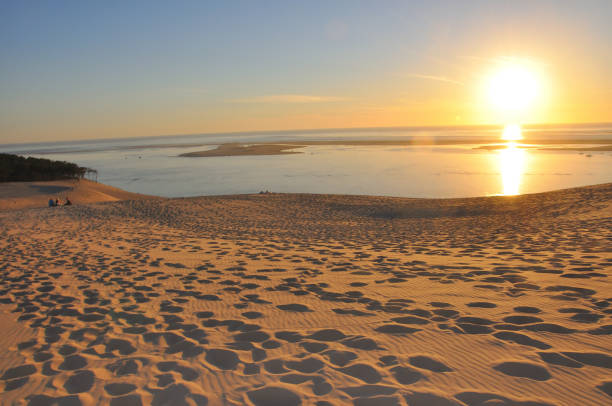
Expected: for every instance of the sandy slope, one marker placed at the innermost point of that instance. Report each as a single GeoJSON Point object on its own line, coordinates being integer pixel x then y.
{"type": "Point", "coordinates": [310, 299]}
{"type": "Point", "coordinates": [20, 195]}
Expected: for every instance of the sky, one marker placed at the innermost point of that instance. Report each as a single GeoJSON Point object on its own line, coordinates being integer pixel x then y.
{"type": "Point", "coordinates": [106, 69]}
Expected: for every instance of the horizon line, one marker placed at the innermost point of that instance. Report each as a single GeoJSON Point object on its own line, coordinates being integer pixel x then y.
{"type": "Point", "coordinates": [315, 130]}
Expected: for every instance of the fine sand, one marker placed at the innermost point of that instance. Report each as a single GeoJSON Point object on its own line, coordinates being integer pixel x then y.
{"type": "Point", "coordinates": [321, 300]}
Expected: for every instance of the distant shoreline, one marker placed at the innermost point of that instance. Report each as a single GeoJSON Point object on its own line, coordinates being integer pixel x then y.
{"type": "Point", "coordinates": [339, 130]}
{"type": "Point", "coordinates": [234, 149]}
{"type": "Point", "coordinates": [286, 148]}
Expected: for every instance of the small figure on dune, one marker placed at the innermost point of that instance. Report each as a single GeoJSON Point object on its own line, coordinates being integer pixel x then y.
{"type": "Point", "coordinates": [57, 202]}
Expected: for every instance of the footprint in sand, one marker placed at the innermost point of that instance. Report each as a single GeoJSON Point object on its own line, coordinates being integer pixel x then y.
{"type": "Point", "coordinates": [363, 372]}
{"type": "Point", "coordinates": [187, 373]}
{"type": "Point", "coordinates": [558, 359]}
{"type": "Point", "coordinates": [252, 315]}
{"type": "Point", "coordinates": [527, 309]}
{"type": "Point", "coordinates": [294, 307]}
{"type": "Point", "coordinates": [595, 359]}
{"type": "Point", "coordinates": [313, 347]}
{"type": "Point", "coordinates": [306, 365]}
{"type": "Point", "coordinates": [119, 389]}
{"type": "Point", "coordinates": [289, 336]}
{"type": "Point", "coordinates": [15, 383]}
{"type": "Point", "coordinates": [124, 367]}
{"type": "Point", "coordinates": [406, 375]}
{"type": "Point", "coordinates": [388, 360]}
{"type": "Point", "coordinates": [521, 339]}
{"type": "Point", "coordinates": [274, 396]}
{"type": "Point", "coordinates": [222, 359]}
{"type": "Point", "coordinates": [522, 319]}
{"type": "Point", "coordinates": [372, 395]}
{"type": "Point", "coordinates": [340, 358]}
{"type": "Point", "coordinates": [43, 400]}
{"type": "Point", "coordinates": [367, 391]}
{"type": "Point", "coordinates": [478, 399]}
{"type": "Point", "coordinates": [127, 400]}
{"type": "Point", "coordinates": [396, 329]}
{"type": "Point", "coordinates": [81, 381]}
{"type": "Point", "coordinates": [18, 372]}
{"type": "Point", "coordinates": [327, 335]}
{"type": "Point", "coordinates": [430, 399]}
{"type": "Point", "coordinates": [73, 362]}
{"type": "Point", "coordinates": [606, 387]}
{"type": "Point", "coordinates": [411, 320]}
{"type": "Point", "coordinates": [176, 394]}
{"type": "Point", "coordinates": [275, 366]}
{"type": "Point", "coordinates": [484, 305]}
{"type": "Point", "coordinates": [423, 362]}
{"type": "Point", "coordinates": [523, 370]}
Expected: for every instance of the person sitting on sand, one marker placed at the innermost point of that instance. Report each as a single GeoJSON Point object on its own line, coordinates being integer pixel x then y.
{"type": "Point", "coordinates": [51, 203]}
{"type": "Point", "coordinates": [68, 202]}
{"type": "Point", "coordinates": [57, 202]}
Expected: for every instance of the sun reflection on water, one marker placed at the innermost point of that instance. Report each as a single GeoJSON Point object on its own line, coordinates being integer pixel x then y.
{"type": "Point", "coordinates": [512, 161]}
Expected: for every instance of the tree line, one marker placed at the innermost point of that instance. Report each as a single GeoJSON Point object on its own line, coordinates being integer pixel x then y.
{"type": "Point", "coordinates": [15, 168]}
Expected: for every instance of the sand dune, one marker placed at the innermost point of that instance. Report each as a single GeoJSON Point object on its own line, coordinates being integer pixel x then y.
{"type": "Point", "coordinates": [309, 300]}
{"type": "Point", "coordinates": [20, 195]}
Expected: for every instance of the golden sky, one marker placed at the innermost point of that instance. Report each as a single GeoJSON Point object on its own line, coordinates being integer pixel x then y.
{"type": "Point", "coordinates": [99, 71]}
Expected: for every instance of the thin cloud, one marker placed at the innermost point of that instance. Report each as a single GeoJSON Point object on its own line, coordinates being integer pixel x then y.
{"type": "Point", "coordinates": [505, 59]}
{"type": "Point", "coordinates": [288, 98]}
{"type": "Point", "coordinates": [438, 78]}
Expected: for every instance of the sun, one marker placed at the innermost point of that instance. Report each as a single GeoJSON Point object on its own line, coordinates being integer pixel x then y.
{"type": "Point", "coordinates": [512, 132]}
{"type": "Point", "coordinates": [513, 87]}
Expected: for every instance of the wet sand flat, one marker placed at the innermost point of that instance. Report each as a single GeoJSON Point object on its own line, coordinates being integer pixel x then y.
{"type": "Point", "coordinates": [289, 299]}
{"type": "Point", "coordinates": [241, 149]}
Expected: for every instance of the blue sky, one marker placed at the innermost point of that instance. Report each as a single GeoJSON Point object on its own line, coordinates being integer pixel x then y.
{"type": "Point", "coordinates": [75, 69]}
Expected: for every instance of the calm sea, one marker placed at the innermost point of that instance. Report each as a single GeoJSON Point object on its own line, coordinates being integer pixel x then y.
{"type": "Point", "coordinates": [152, 165]}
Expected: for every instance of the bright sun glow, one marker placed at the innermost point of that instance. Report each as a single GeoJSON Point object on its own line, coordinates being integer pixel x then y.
{"type": "Point", "coordinates": [513, 87]}
{"type": "Point", "coordinates": [512, 132]}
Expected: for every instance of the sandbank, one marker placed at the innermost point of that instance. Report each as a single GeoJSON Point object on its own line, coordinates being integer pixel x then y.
{"type": "Point", "coordinates": [234, 149]}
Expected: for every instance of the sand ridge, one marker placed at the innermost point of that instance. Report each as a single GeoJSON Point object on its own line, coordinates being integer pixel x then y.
{"type": "Point", "coordinates": [311, 299]}
{"type": "Point", "coordinates": [21, 195]}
